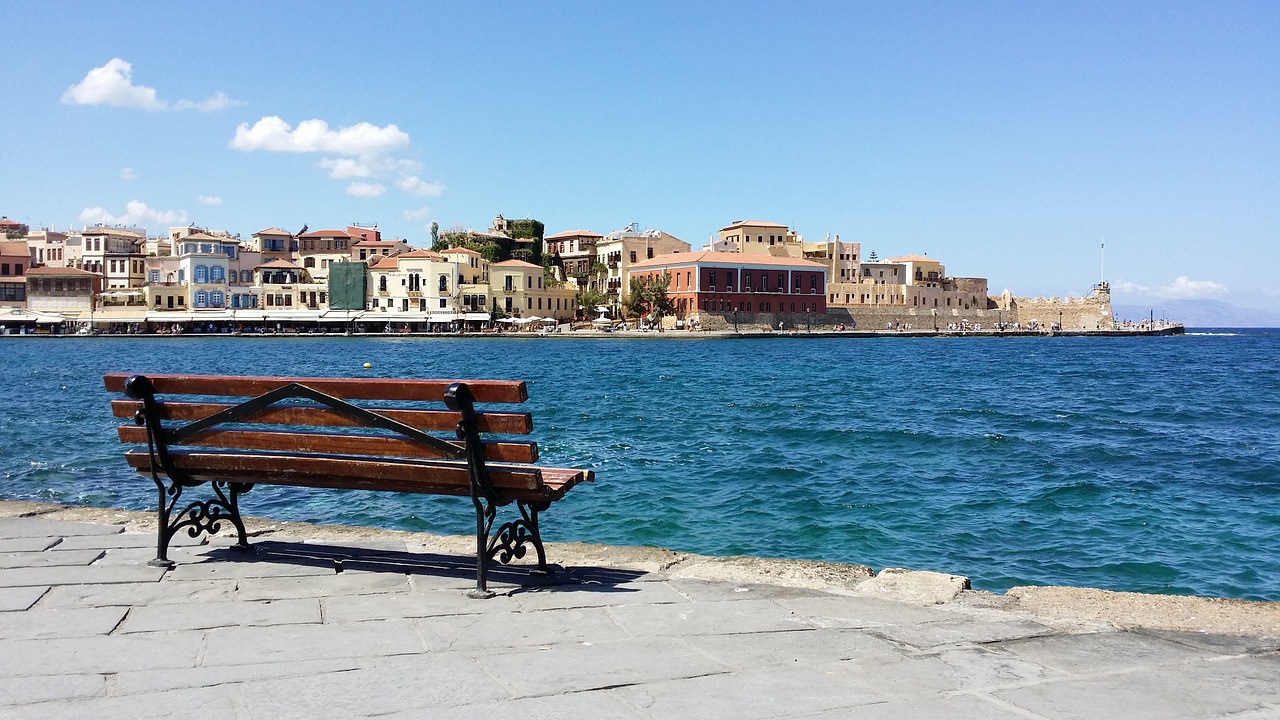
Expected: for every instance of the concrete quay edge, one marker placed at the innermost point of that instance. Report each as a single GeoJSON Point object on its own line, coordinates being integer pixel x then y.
{"type": "Point", "coordinates": [1065, 607]}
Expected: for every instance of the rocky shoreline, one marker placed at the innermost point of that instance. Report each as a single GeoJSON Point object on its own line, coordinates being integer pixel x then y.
{"type": "Point", "coordinates": [1058, 606]}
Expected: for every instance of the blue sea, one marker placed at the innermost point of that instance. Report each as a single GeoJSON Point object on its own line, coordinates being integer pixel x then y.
{"type": "Point", "coordinates": [1140, 464]}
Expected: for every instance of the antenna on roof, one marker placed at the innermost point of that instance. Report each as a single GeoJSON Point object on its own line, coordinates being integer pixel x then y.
{"type": "Point", "coordinates": [303, 230]}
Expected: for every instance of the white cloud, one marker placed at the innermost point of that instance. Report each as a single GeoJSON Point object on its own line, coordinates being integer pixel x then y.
{"type": "Point", "coordinates": [127, 173]}
{"type": "Point", "coordinates": [347, 168]}
{"type": "Point", "coordinates": [112, 84]}
{"type": "Point", "coordinates": [365, 190]}
{"type": "Point", "coordinates": [209, 200]}
{"type": "Point", "coordinates": [1182, 288]}
{"type": "Point", "coordinates": [275, 135]}
{"type": "Point", "coordinates": [136, 214]}
{"type": "Point", "coordinates": [420, 214]}
{"type": "Point", "coordinates": [415, 185]}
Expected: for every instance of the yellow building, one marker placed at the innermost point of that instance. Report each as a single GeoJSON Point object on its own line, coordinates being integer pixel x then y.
{"type": "Point", "coordinates": [517, 288]}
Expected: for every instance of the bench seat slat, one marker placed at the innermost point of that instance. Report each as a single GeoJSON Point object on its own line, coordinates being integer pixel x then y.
{"type": "Point", "coordinates": [501, 423]}
{"type": "Point", "coordinates": [491, 391]}
{"type": "Point", "coordinates": [312, 442]}
{"type": "Point", "coordinates": [529, 483]}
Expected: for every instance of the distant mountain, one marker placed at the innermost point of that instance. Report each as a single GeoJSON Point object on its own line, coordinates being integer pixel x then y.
{"type": "Point", "coordinates": [1200, 313]}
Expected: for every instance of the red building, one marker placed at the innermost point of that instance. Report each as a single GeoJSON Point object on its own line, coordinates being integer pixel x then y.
{"type": "Point", "coordinates": [707, 281]}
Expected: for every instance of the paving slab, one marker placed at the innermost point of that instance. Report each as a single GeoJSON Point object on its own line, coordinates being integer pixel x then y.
{"type": "Point", "coordinates": [38, 527]}
{"type": "Point", "coordinates": [29, 544]}
{"type": "Point", "coordinates": [284, 643]}
{"type": "Point", "coordinates": [593, 666]}
{"type": "Point", "coordinates": [432, 603]}
{"type": "Point", "coordinates": [426, 681]}
{"type": "Point", "coordinates": [205, 676]}
{"type": "Point", "coordinates": [749, 695]}
{"type": "Point", "coordinates": [332, 585]}
{"type": "Point", "coordinates": [581, 595]}
{"type": "Point", "coordinates": [60, 623]}
{"type": "Point", "coordinates": [127, 540]}
{"type": "Point", "coordinates": [211, 702]}
{"type": "Point", "coordinates": [217, 614]}
{"type": "Point", "coordinates": [958, 632]}
{"type": "Point", "coordinates": [41, 689]}
{"type": "Point", "coordinates": [493, 630]}
{"type": "Point", "coordinates": [79, 575]}
{"type": "Point", "coordinates": [952, 707]}
{"type": "Point", "coordinates": [51, 558]}
{"type": "Point", "coordinates": [222, 568]}
{"type": "Point", "coordinates": [598, 705]}
{"type": "Point", "coordinates": [1089, 653]}
{"type": "Point", "coordinates": [20, 598]}
{"type": "Point", "coordinates": [795, 647]}
{"type": "Point", "coordinates": [99, 654]}
{"type": "Point", "coordinates": [144, 594]}
{"type": "Point", "coordinates": [839, 611]}
{"type": "Point", "coordinates": [707, 618]}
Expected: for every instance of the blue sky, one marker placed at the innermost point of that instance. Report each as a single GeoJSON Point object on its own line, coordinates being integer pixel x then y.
{"type": "Point", "coordinates": [1007, 140]}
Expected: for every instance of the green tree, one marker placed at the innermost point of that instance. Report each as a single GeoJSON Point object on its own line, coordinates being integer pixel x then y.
{"type": "Point", "coordinates": [528, 229]}
{"type": "Point", "coordinates": [638, 301]}
{"type": "Point", "coordinates": [435, 234]}
{"type": "Point", "coordinates": [589, 300]}
{"type": "Point", "coordinates": [659, 303]}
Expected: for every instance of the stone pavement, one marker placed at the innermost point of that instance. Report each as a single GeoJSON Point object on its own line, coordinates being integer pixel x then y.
{"type": "Point", "coordinates": [372, 629]}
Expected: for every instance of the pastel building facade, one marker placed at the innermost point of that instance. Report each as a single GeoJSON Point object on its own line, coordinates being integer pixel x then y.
{"type": "Point", "coordinates": [717, 282]}
{"type": "Point", "coordinates": [620, 250]}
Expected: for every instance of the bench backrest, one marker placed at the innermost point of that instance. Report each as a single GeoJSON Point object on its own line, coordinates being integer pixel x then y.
{"type": "Point", "coordinates": [218, 414]}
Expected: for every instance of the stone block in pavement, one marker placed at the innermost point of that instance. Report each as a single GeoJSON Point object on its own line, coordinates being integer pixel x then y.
{"type": "Point", "coordinates": [79, 575]}
{"type": "Point", "coordinates": [51, 687]}
{"type": "Point", "coordinates": [139, 594]}
{"type": "Point", "coordinates": [207, 615]}
{"type": "Point", "coordinates": [205, 702]}
{"type": "Point", "coordinates": [431, 603]}
{"type": "Point", "coordinates": [960, 632]}
{"type": "Point", "coordinates": [99, 654]}
{"type": "Point", "coordinates": [284, 643]}
{"type": "Point", "coordinates": [494, 630]}
{"type": "Point", "coordinates": [50, 558]}
{"type": "Point", "coordinates": [28, 544]}
{"type": "Point", "coordinates": [1100, 652]}
{"type": "Point", "coordinates": [708, 618]}
{"type": "Point", "coordinates": [843, 611]}
{"type": "Point", "coordinates": [1164, 693]}
{"type": "Point", "coordinates": [64, 623]}
{"type": "Point", "coordinates": [19, 527]}
{"type": "Point", "coordinates": [233, 568]}
{"type": "Point", "coordinates": [20, 598]}
{"type": "Point", "coordinates": [578, 667]}
{"type": "Point", "coordinates": [952, 707]}
{"type": "Point", "coordinates": [157, 680]}
{"type": "Point", "coordinates": [576, 595]}
{"type": "Point", "coordinates": [311, 586]}
{"type": "Point", "coordinates": [749, 695]}
{"type": "Point", "coordinates": [395, 685]}
{"type": "Point", "coordinates": [797, 647]}
{"type": "Point", "coordinates": [598, 705]}
{"type": "Point", "coordinates": [128, 540]}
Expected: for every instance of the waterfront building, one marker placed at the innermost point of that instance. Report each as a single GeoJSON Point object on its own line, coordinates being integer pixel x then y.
{"type": "Point", "coordinates": [70, 292]}
{"type": "Point", "coordinates": [284, 287]}
{"type": "Point", "coordinates": [420, 286]}
{"type": "Point", "coordinates": [12, 227]}
{"type": "Point", "coordinates": [518, 288]}
{"type": "Point", "coordinates": [574, 252]}
{"type": "Point", "coordinates": [15, 261]}
{"type": "Point", "coordinates": [47, 247]}
{"type": "Point", "coordinates": [621, 249]}
{"type": "Point", "coordinates": [842, 259]}
{"type": "Point", "coordinates": [318, 248]}
{"type": "Point", "coordinates": [473, 282]}
{"type": "Point", "coordinates": [914, 284]}
{"type": "Point", "coordinates": [115, 253]}
{"type": "Point", "coordinates": [759, 237]}
{"type": "Point", "coordinates": [274, 244]}
{"type": "Point", "coordinates": [720, 282]}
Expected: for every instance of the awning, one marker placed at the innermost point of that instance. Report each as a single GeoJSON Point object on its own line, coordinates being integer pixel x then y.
{"type": "Point", "coordinates": [443, 317]}
{"type": "Point", "coordinates": [481, 316]}
{"type": "Point", "coordinates": [210, 315]}
{"type": "Point", "coordinates": [169, 317]}
{"type": "Point", "coordinates": [254, 315]}
{"type": "Point", "coordinates": [292, 316]}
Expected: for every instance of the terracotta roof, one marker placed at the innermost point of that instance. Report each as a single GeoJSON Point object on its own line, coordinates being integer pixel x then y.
{"type": "Point", "coordinates": [752, 223]}
{"type": "Point", "coordinates": [274, 231]}
{"type": "Point", "coordinates": [911, 258]}
{"type": "Point", "coordinates": [420, 253]}
{"type": "Point", "coordinates": [326, 233]}
{"type": "Point", "coordinates": [515, 263]}
{"type": "Point", "coordinates": [727, 258]}
{"type": "Point", "coordinates": [573, 233]}
{"type": "Point", "coordinates": [461, 251]}
{"type": "Point", "coordinates": [44, 270]}
{"type": "Point", "coordinates": [388, 260]}
{"type": "Point", "coordinates": [278, 263]}
{"type": "Point", "coordinates": [367, 241]}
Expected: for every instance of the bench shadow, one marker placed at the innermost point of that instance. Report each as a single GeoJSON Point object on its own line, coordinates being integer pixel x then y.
{"type": "Point", "coordinates": [341, 558]}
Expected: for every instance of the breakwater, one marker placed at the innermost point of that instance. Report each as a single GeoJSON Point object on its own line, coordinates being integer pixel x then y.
{"type": "Point", "coordinates": [1126, 464]}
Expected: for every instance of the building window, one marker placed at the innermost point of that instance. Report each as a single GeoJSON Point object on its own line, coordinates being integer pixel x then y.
{"type": "Point", "coordinates": [443, 303]}
{"type": "Point", "coordinates": [217, 274]}
{"type": "Point", "coordinates": [215, 299]}
{"type": "Point", "coordinates": [382, 283]}
{"type": "Point", "coordinates": [633, 256]}
{"type": "Point", "coordinates": [202, 299]}
{"type": "Point", "coordinates": [444, 283]}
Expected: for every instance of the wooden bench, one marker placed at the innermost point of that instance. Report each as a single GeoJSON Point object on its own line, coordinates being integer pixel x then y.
{"type": "Point", "coordinates": [343, 433]}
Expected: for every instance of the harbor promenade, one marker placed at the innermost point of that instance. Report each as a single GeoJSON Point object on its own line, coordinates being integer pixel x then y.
{"type": "Point", "coordinates": [322, 622]}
